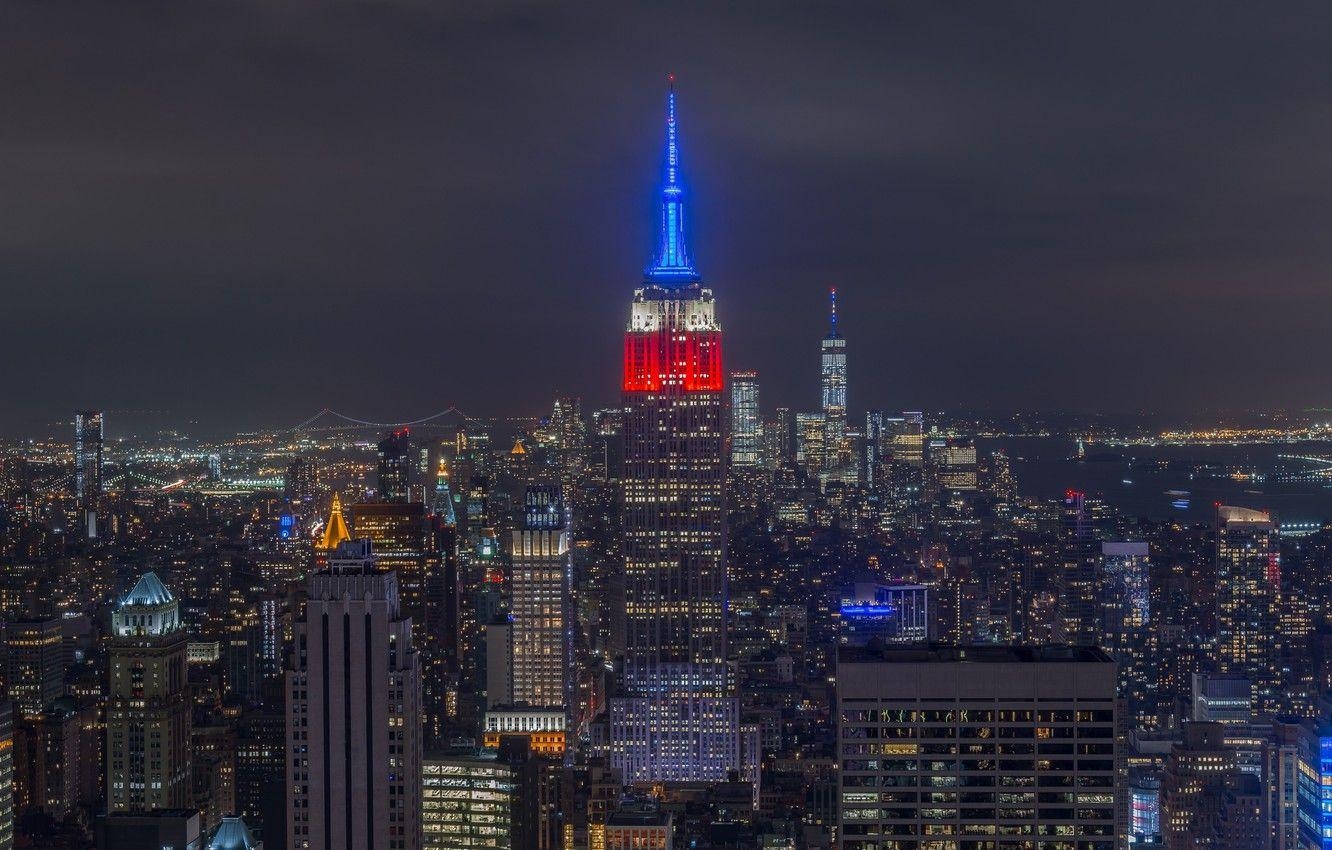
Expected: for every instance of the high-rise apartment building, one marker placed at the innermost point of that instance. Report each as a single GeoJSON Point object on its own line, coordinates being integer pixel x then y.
{"type": "Point", "coordinates": [148, 714]}
{"type": "Point", "coordinates": [1248, 585]}
{"type": "Point", "coordinates": [746, 421]}
{"type": "Point", "coordinates": [677, 717]}
{"type": "Point", "coordinates": [976, 747]}
{"type": "Point", "coordinates": [89, 436]}
{"type": "Point", "coordinates": [353, 713]}
{"type": "Point", "coordinates": [539, 593]}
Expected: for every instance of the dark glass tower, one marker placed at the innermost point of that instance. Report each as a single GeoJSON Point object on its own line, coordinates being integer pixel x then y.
{"type": "Point", "coordinates": [677, 717]}
{"type": "Point", "coordinates": [89, 437]}
{"type": "Point", "coordinates": [395, 466]}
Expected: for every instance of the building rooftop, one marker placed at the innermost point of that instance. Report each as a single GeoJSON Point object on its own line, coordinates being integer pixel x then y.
{"type": "Point", "coordinates": [149, 590]}
{"type": "Point", "coordinates": [979, 654]}
{"type": "Point", "coordinates": [232, 834]}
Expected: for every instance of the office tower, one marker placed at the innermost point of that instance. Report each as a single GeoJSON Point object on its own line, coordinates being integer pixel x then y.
{"type": "Point", "coordinates": [1315, 786]}
{"type": "Point", "coordinates": [499, 662]}
{"type": "Point", "coordinates": [677, 717]}
{"type": "Point", "coordinates": [539, 593]}
{"type": "Point", "coordinates": [1248, 584]}
{"type": "Point", "coordinates": [875, 444]}
{"type": "Point", "coordinates": [441, 664]}
{"type": "Point", "coordinates": [1078, 609]}
{"type": "Point", "coordinates": [353, 713]}
{"type": "Point", "coordinates": [746, 422]}
{"type": "Point", "coordinates": [1201, 776]}
{"type": "Point", "coordinates": [891, 613]}
{"type": "Point", "coordinates": [961, 746]}
{"type": "Point", "coordinates": [906, 468]}
{"type": "Point", "coordinates": [441, 503]}
{"type": "Point", "coordinates": [89, 435]}
{"type": "Point", "coordinates": [6, 775]}
{"type": "Point", "coordinates": [395, 467]}
{"type": "Point", "coordinates": [812, 443]}
{"type": "Point", "coordinates": [402, 536]}
{"type": "Point", "coordinates": [56, 759]}
{"type": "Point", "coordinates": [1126, 592]}
{"type": "Point", "coordinates": [35, 664]}
{"type": "Point", "coordinates": [148, 756]}
{"type": "Point", "coordinates": [777, 446]}
{"type": "Point", "coordinates": [1281, 770]}
{"type": "Point", "coordinates": [1124, 630]}
{"type": "Point", "coordinates": [953, 464]}
{"type": "Point", "coordinates": [261, 775]}
{"type": "Point", "coordinates": [1222, 698]}
{"type": "Point", "coordinates": [832, 380]}
{"type": "Point", "coordinates": [466, 802]}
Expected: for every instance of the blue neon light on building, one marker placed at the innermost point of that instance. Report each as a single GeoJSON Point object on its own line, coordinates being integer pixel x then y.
{"type": "Point", "coordinates": [672, 265]}
{"type": "Point", "coordinates": [868, 610]}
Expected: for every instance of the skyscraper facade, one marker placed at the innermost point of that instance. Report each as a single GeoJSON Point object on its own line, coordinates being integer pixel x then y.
{"type": "Point", "coordinates": [35, 664]}
{"type": "Point", "coordinates": [746, 423]}
{"type": "Point", "coordinates": [967, 746]}
{"type": "Point", "coordinates": [832, 380]}
{"type": "Point", "coordinates": [148, 755]}
{"type": "Point", "coordinates": [1248, 584]}
{"type": "Point", "coordinates": [353, 713]}
{"type": "Point", "coordinates": [539, 585]}
{"type": "Point", "coordinates": [89, 435]}
{"type": "Point", "coordinates": [677, 717]}
{"type": "Point", "coordinates": [395, 467]}
{"type": "Point", "coordinates": [1079, 618]}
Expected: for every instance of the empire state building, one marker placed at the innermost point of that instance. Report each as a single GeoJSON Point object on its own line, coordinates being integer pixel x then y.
{"type": "Point", "coordinates": [677, 717]}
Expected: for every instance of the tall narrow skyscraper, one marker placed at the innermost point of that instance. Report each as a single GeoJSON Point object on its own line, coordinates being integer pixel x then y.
{"type": "Point", "coordinates": [395, 467]}
{"type": "Point", "coordinates": [1248, 587]}
{"type": "Point", "coordinates": [746, 423]}
{"type": "Point", "coordinates": [540, 592]}
{"type": "Point", "coordinates": [353, 713]}
{"type": "Point", "coordinates": [148, 757]}
{"type": "Point", "coordinates": [677, 716]}
{"type": "Point", "coordinates": [832, 381]}
{"type": "Point", "coordinates": [89, 435]}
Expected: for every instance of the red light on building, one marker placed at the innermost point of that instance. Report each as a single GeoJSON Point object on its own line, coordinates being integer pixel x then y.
{"type": "Point", "coordinates": [691, 360]}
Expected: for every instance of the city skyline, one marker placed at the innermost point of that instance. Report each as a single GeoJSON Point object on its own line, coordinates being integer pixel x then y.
{"type": "Point", "coordinates": [777, 585]}
{"type": "Point", "coordinates": [466, 166]}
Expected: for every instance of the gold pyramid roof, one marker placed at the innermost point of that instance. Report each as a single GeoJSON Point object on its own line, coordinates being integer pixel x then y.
{"type": "Point", "coordinates": [336, 530]}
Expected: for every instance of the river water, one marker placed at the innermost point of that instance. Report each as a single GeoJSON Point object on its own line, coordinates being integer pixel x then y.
{"type": "Point", "coordinates": [1135, 479]}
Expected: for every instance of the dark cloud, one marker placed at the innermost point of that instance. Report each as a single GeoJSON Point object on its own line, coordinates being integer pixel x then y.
{"type": "Point", "coordinates": [243, 212]}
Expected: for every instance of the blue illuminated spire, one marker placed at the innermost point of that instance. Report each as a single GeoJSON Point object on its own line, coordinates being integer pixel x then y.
{"type": "Point", "coordinates": [672, 265]}
{"type": "Point", "coordinates": [832, 332]}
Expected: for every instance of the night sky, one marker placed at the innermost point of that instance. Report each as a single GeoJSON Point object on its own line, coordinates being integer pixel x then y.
{"type": "Point", "coordinates": [240, 213]}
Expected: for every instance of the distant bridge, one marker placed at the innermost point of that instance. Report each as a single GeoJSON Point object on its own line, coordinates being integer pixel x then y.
{"type": "Point", "coordinates": [332, 420]}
